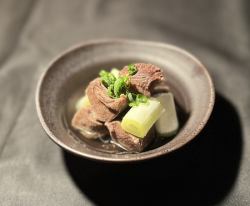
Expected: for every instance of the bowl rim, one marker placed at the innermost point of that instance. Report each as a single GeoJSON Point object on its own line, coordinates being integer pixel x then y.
{"type": "Point", "coordinates": [192, 135]}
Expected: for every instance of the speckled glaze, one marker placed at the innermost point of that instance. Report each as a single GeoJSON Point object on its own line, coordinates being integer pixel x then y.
{"type": "Point", "coordinates": [64, 79]}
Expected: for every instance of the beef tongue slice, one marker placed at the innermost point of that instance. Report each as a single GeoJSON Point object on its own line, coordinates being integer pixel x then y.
{"type": "Point", "coordinates": [104, 107]}
{"type": "Point", "coordinates": [147, 76]}
{"type": "Point", "coordinates": [129, 141]}
{"type": "Point", "coordinates": [84, 120]}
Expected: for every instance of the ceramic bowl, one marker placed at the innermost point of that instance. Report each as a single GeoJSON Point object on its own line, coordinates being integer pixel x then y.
{"type": "Point", "coordinates": [64, 81]}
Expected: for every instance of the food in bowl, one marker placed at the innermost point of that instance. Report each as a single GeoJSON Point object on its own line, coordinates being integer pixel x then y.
{"type": "Point", "coordinates": [132, 107]}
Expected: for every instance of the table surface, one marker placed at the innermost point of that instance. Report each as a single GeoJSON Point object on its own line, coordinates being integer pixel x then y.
{"type": "Point", "coordinates": [212, 170]}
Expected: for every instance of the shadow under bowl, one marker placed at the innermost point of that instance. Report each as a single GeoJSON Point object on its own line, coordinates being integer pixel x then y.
{"type": "Point", "coordinates": [66, 77]}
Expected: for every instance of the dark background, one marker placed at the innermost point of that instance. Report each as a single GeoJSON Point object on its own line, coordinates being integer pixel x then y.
{"type": "Point", "coordinates": [212, 170]}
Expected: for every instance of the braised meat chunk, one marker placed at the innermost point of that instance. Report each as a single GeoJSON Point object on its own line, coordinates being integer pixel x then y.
{"type": "Point", "coordinates": [105, 107]}
{"type": "Point", "coordinates": [127, 140]}
{"type": "Point", "coordinates": [85, 121]}
{"type": "Point", "coordinates": [143, 79]}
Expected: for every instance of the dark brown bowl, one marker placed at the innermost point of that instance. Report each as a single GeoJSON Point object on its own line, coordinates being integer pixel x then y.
{"type": "Point", "coordinates": [64, 80]}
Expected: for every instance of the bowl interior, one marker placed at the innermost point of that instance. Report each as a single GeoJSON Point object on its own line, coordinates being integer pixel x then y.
{"type": "Point", "coordinates": [66, 78]}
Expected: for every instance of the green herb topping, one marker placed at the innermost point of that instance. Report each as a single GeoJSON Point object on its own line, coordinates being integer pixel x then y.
{"type": "Point", "coordinates": [115, 86]}
{"type": "Point", "coordinates": [132, 69]}
{"type": "Point", "coordinates": [107, 78]}
{"type": "Point", "coordinates": [120, 85]}
{"type": "Point", "coordinates": [136, 99]}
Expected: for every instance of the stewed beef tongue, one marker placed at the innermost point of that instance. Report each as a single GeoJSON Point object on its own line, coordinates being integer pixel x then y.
{"type": "Point", "coordinates": [129, 141]}
{"type": "Point", "coordinates": [146, 75]}
{"type": "Point", "coordinates": [105, 107]}
{"type": "Point", "coordinates": [84, 120]}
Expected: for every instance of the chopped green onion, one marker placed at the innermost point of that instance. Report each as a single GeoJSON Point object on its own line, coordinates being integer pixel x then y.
{"type": "Point", "coordinates": [133, 104]}
{"type": "Point", "coordinates": [118, 85]}
{"type": "Point", "coordinates": [115, 72]}
{"type": "Point", "coordinates": [136, 99]}
{"type": "Point", "coordinates": [132, 69]}
{"type": "Point", "coordinates": [141, 98]}
{"type": "Point", "coordinates": [130, 97]}
{"type": "Point", "coordinates": [111, 90]}
{"type": "Point", "coordinates": [103, 72]}
{"type": "Point", "coordinates": [107, 78]}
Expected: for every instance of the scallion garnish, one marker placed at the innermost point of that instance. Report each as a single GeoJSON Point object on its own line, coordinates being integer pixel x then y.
{"type": "Point", "coordinates": [120, 85]}
{"type": "Point", "coordinates": [132, 69]}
